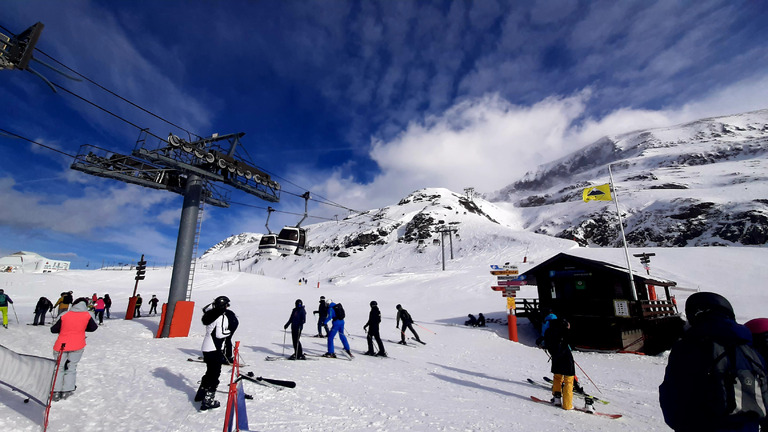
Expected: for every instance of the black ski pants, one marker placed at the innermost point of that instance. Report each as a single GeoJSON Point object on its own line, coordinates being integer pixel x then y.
{"type": "Point", "coordinates": [373, 332]}
{"type": "Point", "coordinates": [409, 326]}
{"type": "Point", "coordinates": [295, 335]}
{"type": "Point", "coordinates": [213, 361]}
{"type": "Point", "coordinates": [320, 325]}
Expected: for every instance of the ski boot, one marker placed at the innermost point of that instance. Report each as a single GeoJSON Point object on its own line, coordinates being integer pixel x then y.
{"type": "Point", "coordinates": [381, 354]}
{"type": "Point", "coordinates": [402, 342]}
{"type": "Point", "coordinates": [577, 388]}
{"type": "Point", "coordinates": [329, 355]}
{"type": "Point", "coordinates": [301, 357]}
{"type": "Point", "coordinates": [589, 404]}
{"type": "Point", "coordinates": [369, 353]}
{"type": "Point", "coordinates": [209, 402]}
{"type": "Point", "coordinates": [557, 399]}
{"type": "Point", "coordinates": [292, 357]}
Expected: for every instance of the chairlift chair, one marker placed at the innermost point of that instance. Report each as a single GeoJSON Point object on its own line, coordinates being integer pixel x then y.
{"type": "Point", "coordinates": [292, 239]}
{"type": "Point", "coordinates": [268, 243]}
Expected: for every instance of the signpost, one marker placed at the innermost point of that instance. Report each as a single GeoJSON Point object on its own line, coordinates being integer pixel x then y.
{"type": "Point", "coordinates": [508, 281]}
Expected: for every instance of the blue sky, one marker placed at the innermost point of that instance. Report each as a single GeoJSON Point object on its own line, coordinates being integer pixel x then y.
{"type": "Point", "coordinates": [360, 103]}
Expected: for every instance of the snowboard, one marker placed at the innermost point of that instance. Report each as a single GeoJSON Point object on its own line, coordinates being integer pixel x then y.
{"type": "Point", "coordinates": [600, 414]}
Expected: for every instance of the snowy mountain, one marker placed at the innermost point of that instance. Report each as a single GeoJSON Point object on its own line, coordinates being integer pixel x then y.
{"type": "Point", "coordinates": [703, 183]}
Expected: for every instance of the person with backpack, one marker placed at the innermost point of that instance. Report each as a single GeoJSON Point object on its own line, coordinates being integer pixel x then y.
{"type": "Point", "coordinates": [405, 317]}
{"type": "Point", "coordinates": [220, 324]}
{"type": "Point", "coordinates": [557, 344]}
{"type": "Point", "coordinates": [70, 344]}
{"type": "Point", "coordinates": [322, 314]}
{"type": "Point", "coordinates": [42, 307]}
{"type": "Point", "coordinates": [4, 301]}
{"type": "Point", "coordinates": [336, 314]}
{"type": "Point", "coordinates": [759, 329]}
{"type": "Point", "coordinates": [107, 304]}
{"type": "Point", "coordinates": [372, 330]}
{"type": "Point", "coordinates": [715, 380]}
{"type": "Point", "coordinates": [98, 309]}
{"type": "Point", "coordinates": [296, 321]}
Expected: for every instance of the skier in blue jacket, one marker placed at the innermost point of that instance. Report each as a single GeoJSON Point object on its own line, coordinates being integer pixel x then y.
{"type": "Point", "coordinates": [296, 321]}
{"type": "Point", "coordinates": [337, 327]}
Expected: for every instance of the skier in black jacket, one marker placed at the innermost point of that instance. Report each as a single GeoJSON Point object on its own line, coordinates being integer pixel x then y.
{"type": "Point", "coordinates": [372, 329]}
{"type": "Point", "coordinates": [556, 342]}
{"type": "Point", "coordinates": [405, 317]}
{"type": "Point", "coordinates": [43, 307]}
{"type": "Point", "coordinates": [296, 321]}
{"type": "Point", "coordinates": [322, 314]}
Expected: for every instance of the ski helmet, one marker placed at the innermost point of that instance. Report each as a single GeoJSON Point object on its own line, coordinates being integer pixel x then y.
{"type": "Point", "coordinates": [299, 302]}
{"type": "Point", "coordinates": [322, 298]}
{"type": "Point", "coordinates": [373, 303]}
{"type": "Point", "coordinates": [757, 325]}
{"type": "Point", "coordinates": [702, 303]}
{"type": "Point", "coordinates": [398, 307]}
{"type": "Point", "coordinates": [221, 302]}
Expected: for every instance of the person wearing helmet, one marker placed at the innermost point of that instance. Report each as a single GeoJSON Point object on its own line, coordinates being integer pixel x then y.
{"type": "Point", "coordinates": [296, 321]}
{"type": "Point", "coordinates": [694, 393]}
{"type": "Point", "coordinates": [372, 330]}
{"type": "Point", "coordinates": [405, 317]}
{"type": "Point", "coordinates": [322, 314]}
{"type": "Point", "coordinates": [220, 324]}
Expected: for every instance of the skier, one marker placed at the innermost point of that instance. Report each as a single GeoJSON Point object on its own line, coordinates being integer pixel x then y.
{"type": "Point", "coordinates": [43, 307]}
{"type": "Point", "coordinates": [563, 366]}
{"type": "Point", "coordinates": [107, 304]}
{"type": "Point", "coordinates": [153, 304]}
{"type": "Point", "coordinates": [296, 321]}
{"type": "Point", "coordinates": [220, 324]}
{"type": "Point", "coordinates": [322, 314]}
{"type": "Point", "coordinates": [693, 396]}
{"type": "Point", "coordinates": [480, 320]}
{"type": "Point", "coordinates": [405, 317]}
{"type": "Point", "coordinates": [71, 327]}
{"type": "Point", "coordinates": [60, 306]}
{"type": "Point", "coordinates": [472, 321]}
{"type": "Point", "coordinates": [4, 301]}
{"type": "Point", "coordinates": [98, 309]}
{"type": "Point", "coordinates": [336, 314]}
{"type": "Point", "coordinates": [137, 309]}
{"type": "Point", "coordinates": [552, 317]}
{"type": "Point", "coordinates": [372, 330]}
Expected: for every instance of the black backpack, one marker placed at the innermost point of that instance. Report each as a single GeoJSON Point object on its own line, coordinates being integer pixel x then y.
{"type": "Point", "coordinates": [737, 381]}
{"type": "Point", "coordinates": [338, 311]}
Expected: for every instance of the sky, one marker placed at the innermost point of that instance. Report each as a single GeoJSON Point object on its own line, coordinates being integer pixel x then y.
{"type": "Point", "coordinates": [359, 103]}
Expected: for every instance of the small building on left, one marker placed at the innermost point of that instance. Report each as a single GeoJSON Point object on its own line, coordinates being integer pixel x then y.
{"type": "Point", "coordinates": [30, 262]}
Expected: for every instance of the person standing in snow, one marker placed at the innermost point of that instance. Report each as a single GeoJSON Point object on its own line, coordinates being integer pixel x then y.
{"type": "Point", "coordinates": [98, 309]}
{"type": "Point", "coordinates": [322, 314]}
{"type": "Point", "coordinates": [60, 306]}
{"type": "Point", "coordinates": [296, 321]}
{"type": "Point", "coordinates": [689, 394]}
{"type": "Point", "coordinates": [153, 304]}
{"type": "Point", "coordinates": [4, 301]}
{"type": "Point", "coordinates": [137, 308]}
{"type": "Point", "coordinates": [336, 314]}
{"type": "Point", "coordinates": [563, 368]}
{"type": "Point", "coordinates": [220, 324]}
{"type": "Point", "coordinates": [372, 330]}
{"type": "Point", "coordinates": [42, 307]}
{"type": "Point", "coordinates": [71, 327]}
{"type": "Point", "coordinates": [405, 317]}
{"type": "Point", "coordinates": [107, 304]}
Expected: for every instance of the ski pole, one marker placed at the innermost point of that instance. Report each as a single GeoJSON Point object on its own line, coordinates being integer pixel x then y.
{"type": "Point", "coordinates": [285, 331]}
{"type": "Point", "coordinates": [14, 313]}
{"type": "Point", "coordinates": [53, 387]}
{"type": "Point", "coordinates": [425, 328]}
{"type": "Point", "coordinates": [585, 374]}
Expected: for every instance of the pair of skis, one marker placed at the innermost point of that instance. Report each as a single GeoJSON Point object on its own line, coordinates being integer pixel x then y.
{"type": "Point", "coordinates": [581, 395]}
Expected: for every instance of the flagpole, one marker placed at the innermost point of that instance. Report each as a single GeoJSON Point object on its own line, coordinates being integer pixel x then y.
{"type": "Point", "coordinates": [623, 237]}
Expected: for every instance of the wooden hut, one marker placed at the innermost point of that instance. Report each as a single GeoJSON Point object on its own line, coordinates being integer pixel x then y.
{"type": "Point", "coordinates": [598, 301]}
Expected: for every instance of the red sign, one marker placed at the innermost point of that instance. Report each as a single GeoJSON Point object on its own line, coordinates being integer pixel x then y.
{"type": "Point", "coordinates": [498, 288]}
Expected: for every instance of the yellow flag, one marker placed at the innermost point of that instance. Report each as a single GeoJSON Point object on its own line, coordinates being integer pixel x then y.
{"type": "Point", "coordinates": [597, 193]}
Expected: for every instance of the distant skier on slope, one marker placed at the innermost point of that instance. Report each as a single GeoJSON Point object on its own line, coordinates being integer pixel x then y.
{"type": "Point", "coordinates": [220, 324]}
{"type": "Point", "coordinates": [43, 307]}
{"type": "Point", "coordinates": [296, 321]}
{"type": "Point", "coordinates": [405, 317]}
{"type": "Point", "coordinates": [336, 314]}
{"type": "Point", "coordinates": [372, 330]}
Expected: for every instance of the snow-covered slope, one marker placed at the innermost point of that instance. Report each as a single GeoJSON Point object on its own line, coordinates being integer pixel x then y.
{"type": "Point", "coordinates": [702, 183]}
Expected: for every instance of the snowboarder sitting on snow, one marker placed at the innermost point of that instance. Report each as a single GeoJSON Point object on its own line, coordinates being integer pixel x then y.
{"type": "Point", "coordinates": [42, 307]}
{"type": "Point", "coordinates": [563, 366]}
{"type": "Point", "coordinates": [71, 328]}
{"type": "Point", "coordinates": [472, 321]}
{"type": "Point", "coordinates": [405, 317]}
{"type": "Point", "coordinates": [337, 314]}
{"type": "Point", "coordinates": [480, 320]}
{"type": "Point", "coordinates": [220, 324]}
{"type": "Point", "coordinates": [372, 330]}
{"type": "Point", "coordinates": [4, 300]}
{"type": "Point", "coordinates": [704, 387]}
{"type": "Point", "coordinates": [322, 314]}
{"type": "Point", "coordinates": [296, 321]}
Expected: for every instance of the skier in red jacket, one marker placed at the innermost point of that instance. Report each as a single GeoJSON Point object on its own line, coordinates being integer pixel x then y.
{"type": "Point", "coordinates": [71, 327]}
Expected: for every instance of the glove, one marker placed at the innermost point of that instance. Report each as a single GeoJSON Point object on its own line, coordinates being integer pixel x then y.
{"type": "Point", "coordinates": [285, 327]}
{"type": "Point", "coordinates": [365, 329]}
{"type": "Point", "coordinates": [314, 312]}
{"type": "Point", "coordinates": [397, 327]}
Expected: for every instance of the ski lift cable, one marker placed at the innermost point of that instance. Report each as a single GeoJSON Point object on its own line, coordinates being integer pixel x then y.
{"type": "Point", "coordinates": [302, 214]}
{"type": "Point", "coordinates": [116, 95]}
{"type": "Point", "coordinates": [13, 135]}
